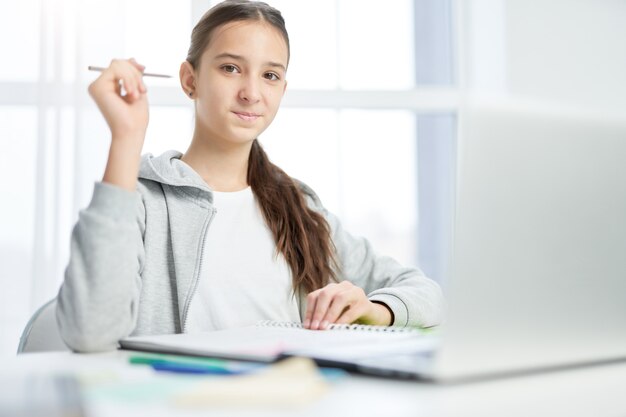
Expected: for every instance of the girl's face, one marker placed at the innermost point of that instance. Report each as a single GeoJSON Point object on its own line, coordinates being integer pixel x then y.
{"type": "Point", "coordinates": [240, 81]}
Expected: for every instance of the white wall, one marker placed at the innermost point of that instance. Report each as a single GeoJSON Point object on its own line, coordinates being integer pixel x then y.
{"type": "Point", "coordinates": [568, 51]}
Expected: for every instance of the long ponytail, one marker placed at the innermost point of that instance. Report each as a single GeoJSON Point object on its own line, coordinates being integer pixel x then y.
{"type": "Point", "coordinates": [302, 235]}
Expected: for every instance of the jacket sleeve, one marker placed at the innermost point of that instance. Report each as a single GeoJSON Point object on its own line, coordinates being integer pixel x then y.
{"type": "Point", "coordinates": [98, 301]}
{"type": "Point", "coordinates": [414, 299]}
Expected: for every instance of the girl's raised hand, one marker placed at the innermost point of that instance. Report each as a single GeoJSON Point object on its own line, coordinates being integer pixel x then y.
{"type": "Point", "coordinates": [343, 303]}
{"type": "Point", "coordinates": [126, 114]}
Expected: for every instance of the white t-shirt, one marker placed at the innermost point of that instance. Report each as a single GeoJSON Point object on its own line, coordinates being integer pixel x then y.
{"type": "Point", "coordinates": [241, 280]}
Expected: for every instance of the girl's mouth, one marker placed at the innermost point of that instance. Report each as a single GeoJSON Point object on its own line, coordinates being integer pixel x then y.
{"type": "Point", "coordinates": [249, 117]}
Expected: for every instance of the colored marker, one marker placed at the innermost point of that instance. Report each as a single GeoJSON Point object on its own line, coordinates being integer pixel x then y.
{"type": "Point", "coordinates": [192, 365]}
{"type": "Point", "coordinates": [181, 368]}
{"type": "Point", "coordinates": [156, 358]}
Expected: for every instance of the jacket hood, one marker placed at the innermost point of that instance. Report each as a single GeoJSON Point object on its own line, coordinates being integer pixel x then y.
{"type": "Point", "coordinates": [168, 169]}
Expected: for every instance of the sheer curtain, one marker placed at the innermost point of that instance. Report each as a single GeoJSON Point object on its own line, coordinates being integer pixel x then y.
{"type": "Point", "coordinates": [366, 114]}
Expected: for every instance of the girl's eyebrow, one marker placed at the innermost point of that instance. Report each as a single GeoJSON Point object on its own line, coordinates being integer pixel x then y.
{"type": "Point", "coordinates": [241, 58]}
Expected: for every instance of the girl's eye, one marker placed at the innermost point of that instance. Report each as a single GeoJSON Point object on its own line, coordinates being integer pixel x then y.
{"type": "Point", "coordinates": [271, 76]}
{"type": "Point", "coordinates": [229, 68]}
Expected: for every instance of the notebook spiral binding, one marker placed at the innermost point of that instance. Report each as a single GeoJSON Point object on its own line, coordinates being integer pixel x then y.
{"type": "Point", "coordinates": [353, 327]}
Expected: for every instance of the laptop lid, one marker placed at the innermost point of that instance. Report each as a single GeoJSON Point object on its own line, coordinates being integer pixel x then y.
{"type": "Point", "coordinates": [538, 273]}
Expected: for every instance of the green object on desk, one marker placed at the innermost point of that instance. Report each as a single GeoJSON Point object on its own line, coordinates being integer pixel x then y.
{"type": "Point", "coordinates": [157, 357]}
{"type": "Point", "coordinates": [193, 365]}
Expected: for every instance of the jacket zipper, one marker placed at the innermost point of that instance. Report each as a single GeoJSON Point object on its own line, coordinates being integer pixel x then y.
{"type": "Point", "coordinates": [199, 269]}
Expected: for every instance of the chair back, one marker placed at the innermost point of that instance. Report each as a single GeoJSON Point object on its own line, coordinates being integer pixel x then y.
{"type": "Point", "coordinates": [41, 333]}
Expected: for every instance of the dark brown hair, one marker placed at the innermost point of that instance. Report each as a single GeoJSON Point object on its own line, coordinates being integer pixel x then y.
{"type": "Point", "coordinates": [301, 234]}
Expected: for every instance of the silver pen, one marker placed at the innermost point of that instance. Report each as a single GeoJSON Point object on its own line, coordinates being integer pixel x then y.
{"type": "Point", "coordinates": [145, 74]}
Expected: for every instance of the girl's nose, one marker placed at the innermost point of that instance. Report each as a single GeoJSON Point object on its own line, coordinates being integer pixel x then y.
{"type": "Point", "coordinates": [249, 91]}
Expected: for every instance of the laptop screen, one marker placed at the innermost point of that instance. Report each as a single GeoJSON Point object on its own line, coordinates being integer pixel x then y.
{"type": "Point", "coordinates": [538, 273]}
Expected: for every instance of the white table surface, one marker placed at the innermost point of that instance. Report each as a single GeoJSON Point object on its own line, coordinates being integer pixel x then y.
{"type": "Point", "coordinates": [586, 391]}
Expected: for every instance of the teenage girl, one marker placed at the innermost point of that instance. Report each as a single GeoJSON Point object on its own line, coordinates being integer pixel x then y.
{"type": "Point", "coordinates": [219, 237]}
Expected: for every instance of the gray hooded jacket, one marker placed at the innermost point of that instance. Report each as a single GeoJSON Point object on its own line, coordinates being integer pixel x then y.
{"type": "Point", "coordinates": [134, 262]}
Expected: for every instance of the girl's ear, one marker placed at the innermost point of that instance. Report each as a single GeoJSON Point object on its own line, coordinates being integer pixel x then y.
{"type": "Point", "coordinates": [187, 79]}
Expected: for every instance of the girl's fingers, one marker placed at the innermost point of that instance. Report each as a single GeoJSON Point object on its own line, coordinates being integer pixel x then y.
{"type": "Point", "coordinates": [310, 308]}
{"type": "Point", "coordinates": [340, 303]}
{"type": "Point", "coordinates": [350, 315]}
{"type": "Point", "coordinates": [117, 93]}
{"type": "Point", "coordinates": [125, 77]}
{"type": "Point", "coordinates": [118, 87]}
{"type": "Point", "coordinates": [130, 88]}
{"type": "Point", "coordinates": [129, 75]}
{"type": "Point", "coordinates": [321, 305]}
{"type": "Point", "coordinates": [139, 75]}
{"type": "Point", "coordinates": [137, 64]}
{"type": "Point", "coordinates": [133, 84]}
{"type": "Point", "coordinates": [322, 302]}
{"type": "Point", "coordinates": [335, 303]}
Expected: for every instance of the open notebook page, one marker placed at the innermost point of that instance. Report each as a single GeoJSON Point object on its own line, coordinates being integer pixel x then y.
{"type": "Point", "coordinates": [268, 343]}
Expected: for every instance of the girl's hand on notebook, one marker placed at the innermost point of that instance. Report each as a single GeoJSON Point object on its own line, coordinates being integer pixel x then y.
{"type": "Point", "coordinates": [343, 303]}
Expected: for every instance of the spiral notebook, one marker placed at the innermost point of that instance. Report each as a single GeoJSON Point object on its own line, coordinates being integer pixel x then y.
{"type": "Point", "coordinates": [343, 346]}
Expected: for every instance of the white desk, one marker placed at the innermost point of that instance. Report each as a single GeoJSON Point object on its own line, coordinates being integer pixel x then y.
{"type": "Point", "coordinates": [590, 391]}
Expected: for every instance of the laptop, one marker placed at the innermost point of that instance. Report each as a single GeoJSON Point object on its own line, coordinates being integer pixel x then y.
{"type": "Point", "coordinates": [537, 276]}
